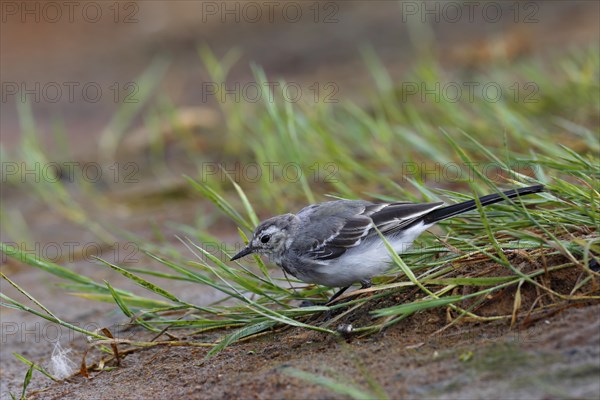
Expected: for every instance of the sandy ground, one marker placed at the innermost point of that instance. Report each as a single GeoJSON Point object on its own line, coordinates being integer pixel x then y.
{"type": "Point", "coordinates": [555, 357]}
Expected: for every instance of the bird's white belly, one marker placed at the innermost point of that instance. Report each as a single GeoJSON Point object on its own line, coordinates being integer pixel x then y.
{"type": "Point", "coordinates": [362, 262]}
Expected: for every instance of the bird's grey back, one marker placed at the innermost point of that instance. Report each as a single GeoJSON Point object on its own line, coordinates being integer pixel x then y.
{"type": "Point", "coordinates": [326, 230]}
{"type": "Point", "coordinates": [336, 208]}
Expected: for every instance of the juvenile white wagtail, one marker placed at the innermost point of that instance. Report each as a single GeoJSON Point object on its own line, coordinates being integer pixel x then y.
{"type": "Point", "coordinates": [336, 244]}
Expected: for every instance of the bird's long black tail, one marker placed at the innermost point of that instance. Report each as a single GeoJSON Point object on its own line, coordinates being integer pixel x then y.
{"type": "Point", "coordinates": [455, 209]}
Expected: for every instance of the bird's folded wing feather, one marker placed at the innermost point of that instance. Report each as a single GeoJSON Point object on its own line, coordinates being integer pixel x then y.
{"type": "Point", "coordinates": [345, 224]}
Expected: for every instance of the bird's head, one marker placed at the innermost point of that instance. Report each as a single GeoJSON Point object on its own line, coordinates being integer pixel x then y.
{"type": "Point", "coordinates": [269, 237]}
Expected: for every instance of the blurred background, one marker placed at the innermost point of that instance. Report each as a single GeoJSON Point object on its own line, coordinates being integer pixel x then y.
{"type": "Point", "coordinates": [154, 89]}
{"type": "Point", "coordinates": [111, 45]}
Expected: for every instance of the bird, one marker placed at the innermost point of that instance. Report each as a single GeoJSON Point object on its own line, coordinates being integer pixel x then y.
{"type": "Point", "coordinates": [337, 243]}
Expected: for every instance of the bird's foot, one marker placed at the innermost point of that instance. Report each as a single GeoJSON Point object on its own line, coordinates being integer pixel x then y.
{"type": "Point", "coordinates": [309, 303]}
{"type": "Point", "coordinates": [365, 284]}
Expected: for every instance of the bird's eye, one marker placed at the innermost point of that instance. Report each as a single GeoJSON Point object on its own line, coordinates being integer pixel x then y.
{"type": "Point", "coordinates": [265, 238]}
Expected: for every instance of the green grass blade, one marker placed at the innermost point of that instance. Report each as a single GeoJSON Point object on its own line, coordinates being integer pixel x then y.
{"type": "Point", "coordinates": [36, 367]}
{"type": "Point", "coordinates": [237, 335]}
{"type": "Point", "coordinates": [342, 388]}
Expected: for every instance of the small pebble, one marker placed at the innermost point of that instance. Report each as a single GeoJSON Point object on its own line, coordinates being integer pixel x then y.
{"type": "Point", "coordinates": [345, 329]}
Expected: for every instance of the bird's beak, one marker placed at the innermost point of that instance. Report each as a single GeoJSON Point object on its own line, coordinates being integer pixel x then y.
{"type": "Point", "coordinates": [245, 251]}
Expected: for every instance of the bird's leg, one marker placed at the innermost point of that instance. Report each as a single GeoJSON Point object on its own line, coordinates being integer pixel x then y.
{"type": "Point", "coordinates": [308, 303]}
{"type": "Point", "coordinates": [363, 285]}
{"type": "Point", "coordinates": [336, 295]}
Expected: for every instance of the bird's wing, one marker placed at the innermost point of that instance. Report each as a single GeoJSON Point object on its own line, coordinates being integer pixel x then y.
{"type": "Point", "coordinates": [395, 216]}
{"type": "Point", "coordinates": [332, 228]}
